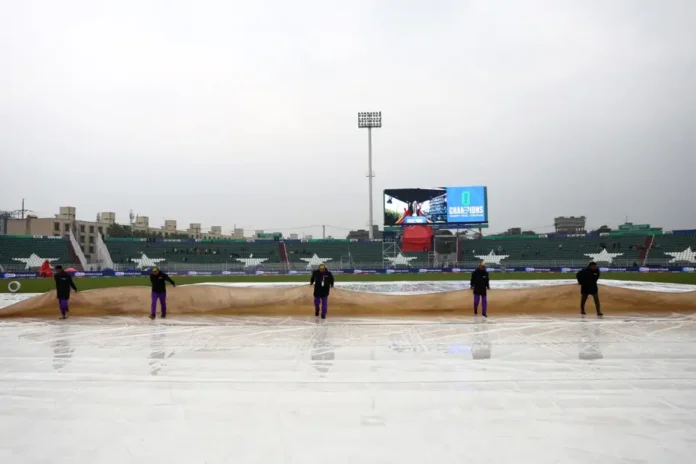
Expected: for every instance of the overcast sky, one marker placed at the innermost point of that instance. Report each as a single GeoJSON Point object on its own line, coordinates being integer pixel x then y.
{"type": "Point", "coordinates": [230, 112]}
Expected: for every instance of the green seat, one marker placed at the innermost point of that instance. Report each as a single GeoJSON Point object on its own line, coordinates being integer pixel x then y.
{"type": "Point", "coordinates": [307, 253]}
{"type": "Point", "coordinates": [675, 245]}
{"type": "Point", "coordinates": [123, 252]}
{"type": "Point", "coordinates": [554, 251]}
{"type": "Point", "coordinates": [18, 251]}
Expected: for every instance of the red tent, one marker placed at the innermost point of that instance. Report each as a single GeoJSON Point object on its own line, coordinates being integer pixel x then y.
{"type": "Point", "coordinates": [417, 239]}
{"type": "Point", "coordinates": [45, 270]}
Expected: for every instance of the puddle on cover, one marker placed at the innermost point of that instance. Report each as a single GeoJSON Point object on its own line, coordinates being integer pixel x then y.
{"type": "Point", "coordinates": [233, 389]}
{"type": "Point", "coordinates": [265, 389]}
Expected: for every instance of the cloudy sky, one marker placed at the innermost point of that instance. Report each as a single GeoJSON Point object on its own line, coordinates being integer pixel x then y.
{"type": "Point", "coordinates": [230, 112]}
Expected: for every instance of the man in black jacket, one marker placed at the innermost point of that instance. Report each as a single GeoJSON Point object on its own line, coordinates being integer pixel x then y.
{"type": "Point", "coordinates": [480, 285]}
{"type": "Point", "coordinates": [587, 278]}
{"type": "Point", "coordinates": [64, 283]}
{"type": "Point", "coordinates": [159, 280]}
{"type": "Point", "coordinates": [323, 282]}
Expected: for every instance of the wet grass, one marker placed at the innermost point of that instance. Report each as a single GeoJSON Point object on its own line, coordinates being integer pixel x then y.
{"type": "Point", "coordinates": [43, 285]}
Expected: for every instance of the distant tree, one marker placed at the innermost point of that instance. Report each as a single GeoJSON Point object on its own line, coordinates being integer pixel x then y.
{"type": "Point", "coordinates": [141, 234]}
{"type": "Point", "coordinates": [119, 231]}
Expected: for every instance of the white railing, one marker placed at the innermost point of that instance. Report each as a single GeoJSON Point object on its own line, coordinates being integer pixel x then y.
{"type": "Point", "coordinates": [103, 256]}
{"type": "Point", "coordinates": [647, 251]}
{"type": "Point", "coordinates": [78, 251]}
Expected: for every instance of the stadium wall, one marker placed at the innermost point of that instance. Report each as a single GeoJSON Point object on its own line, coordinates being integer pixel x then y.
{"type": "Point", "coordinates": [564, 270]}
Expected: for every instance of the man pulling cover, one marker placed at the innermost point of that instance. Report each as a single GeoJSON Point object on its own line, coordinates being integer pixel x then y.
{"type": "Point", "coordinates": [323, 282]}
{"type": "Point", "coordinates": [64, 283]}
{"type": "Point", "coordinates": [159, 280]}
{"type": "Point", "coordinates": [587, 278]}
{"type": "Point", "coordinates": [480, 285]}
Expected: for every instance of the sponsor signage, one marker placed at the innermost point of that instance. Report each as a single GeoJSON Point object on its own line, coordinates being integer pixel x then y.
{"type": "Point", "coordinates": [455, 270]}
{"type": "Point", "coordinates": [433, 206]}
{"type": "Point", "coordinates": [397, 271]}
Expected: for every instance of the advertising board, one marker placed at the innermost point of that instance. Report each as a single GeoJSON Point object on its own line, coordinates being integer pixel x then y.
{"type": "Point", "coordinates": [436, 206]}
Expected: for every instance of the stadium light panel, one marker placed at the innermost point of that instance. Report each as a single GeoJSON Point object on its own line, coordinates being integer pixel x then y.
{"type": "Point", "coordinates": [369, 119]}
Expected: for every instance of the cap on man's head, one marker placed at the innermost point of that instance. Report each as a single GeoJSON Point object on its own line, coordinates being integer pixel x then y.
{"type": "Point", "coordinates": [58, 267]}
{"type": "Point", "coordinates": [592, 263]}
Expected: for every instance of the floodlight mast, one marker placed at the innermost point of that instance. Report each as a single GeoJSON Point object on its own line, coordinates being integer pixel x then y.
{"type": "Point", "coordinates": [370, 120]}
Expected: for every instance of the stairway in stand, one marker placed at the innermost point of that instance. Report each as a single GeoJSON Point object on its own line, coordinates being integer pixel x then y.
{"type": "Point", "coordinates": [283, 252]}
{"type": "Point", "coordinates": [75, 257]}
{"type": "Point", "coordinates": [647, 245]}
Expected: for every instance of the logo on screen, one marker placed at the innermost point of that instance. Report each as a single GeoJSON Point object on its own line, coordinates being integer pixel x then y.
{"type": "Point", "coordinates": [466, 198]}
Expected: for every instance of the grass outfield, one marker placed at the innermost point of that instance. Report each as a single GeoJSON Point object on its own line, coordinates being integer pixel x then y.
{"type": "Point", "coordinates": [43, 285]}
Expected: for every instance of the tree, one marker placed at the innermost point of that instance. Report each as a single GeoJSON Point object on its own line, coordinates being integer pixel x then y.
{"type": "Point", "coordinates": [119, 231]}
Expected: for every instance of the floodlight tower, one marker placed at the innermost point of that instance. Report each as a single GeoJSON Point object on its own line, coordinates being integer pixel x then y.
{"type": "Point", "coordinates": [370, 120]}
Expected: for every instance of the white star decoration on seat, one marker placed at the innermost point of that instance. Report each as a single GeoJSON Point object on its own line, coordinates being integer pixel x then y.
{"type": "Point", "coordinates": [687, 255]}
{"type": "Point", "coordinates": [144, 261]}
{"type": "Point", "coordinates": [314, 261]}
{"type": "Point", "coordinates": [492, 258]}
{"type": "Point", "coordinates": [604, 256]}
{"type": "Point", "coordinates": [33, 261]}
{"type": "Point", "coordinates": [251, 261]}
{"type": "Point", "coordinates": [402, 260]}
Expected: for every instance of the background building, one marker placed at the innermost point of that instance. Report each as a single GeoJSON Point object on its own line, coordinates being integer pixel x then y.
{"type": "Point", "coordinates": [86, 233]}
{"type": "Point", "coordinates": [362, 234]}
{"type": "Point", "coordinates": [570, 225]}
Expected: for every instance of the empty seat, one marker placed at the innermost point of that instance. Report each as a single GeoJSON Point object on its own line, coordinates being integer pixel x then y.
{"type": "Point", "coordinates": [20, 252]}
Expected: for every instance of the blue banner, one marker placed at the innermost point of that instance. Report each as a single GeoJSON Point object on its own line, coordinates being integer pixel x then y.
{"type": "Point", "coordinates": [447, 270]}
{"type": "Point", "coordinates": [684, 232]}
{"type": "Point", "coordinates": [467, 205]}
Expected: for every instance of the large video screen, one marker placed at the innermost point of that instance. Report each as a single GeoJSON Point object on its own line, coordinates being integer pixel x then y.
{"type": "Point", "coordinates": [444, 205]}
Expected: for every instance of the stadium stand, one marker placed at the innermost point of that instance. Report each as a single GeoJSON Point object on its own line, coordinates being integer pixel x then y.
{"type": "Point", "coordinates": [22, 252]}
{"type": "Point", "coordinates": [554, 249]}
{"type": "Point", "coordinates": [184, 254]}
{"type": "Point", "coordinates": [618, 249]}
{"type": "Point", "coordinates": [326, 250]}
{"type": "Point", "coordinates": [342, 253]}
{"type": "Point", "coordinates": [677, 248]}
{"type": "Point", "coordinates": [366, 252]}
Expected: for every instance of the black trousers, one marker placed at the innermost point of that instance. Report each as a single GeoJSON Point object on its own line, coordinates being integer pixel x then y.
{"type": "Point", "coordinates": [583, 300]}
